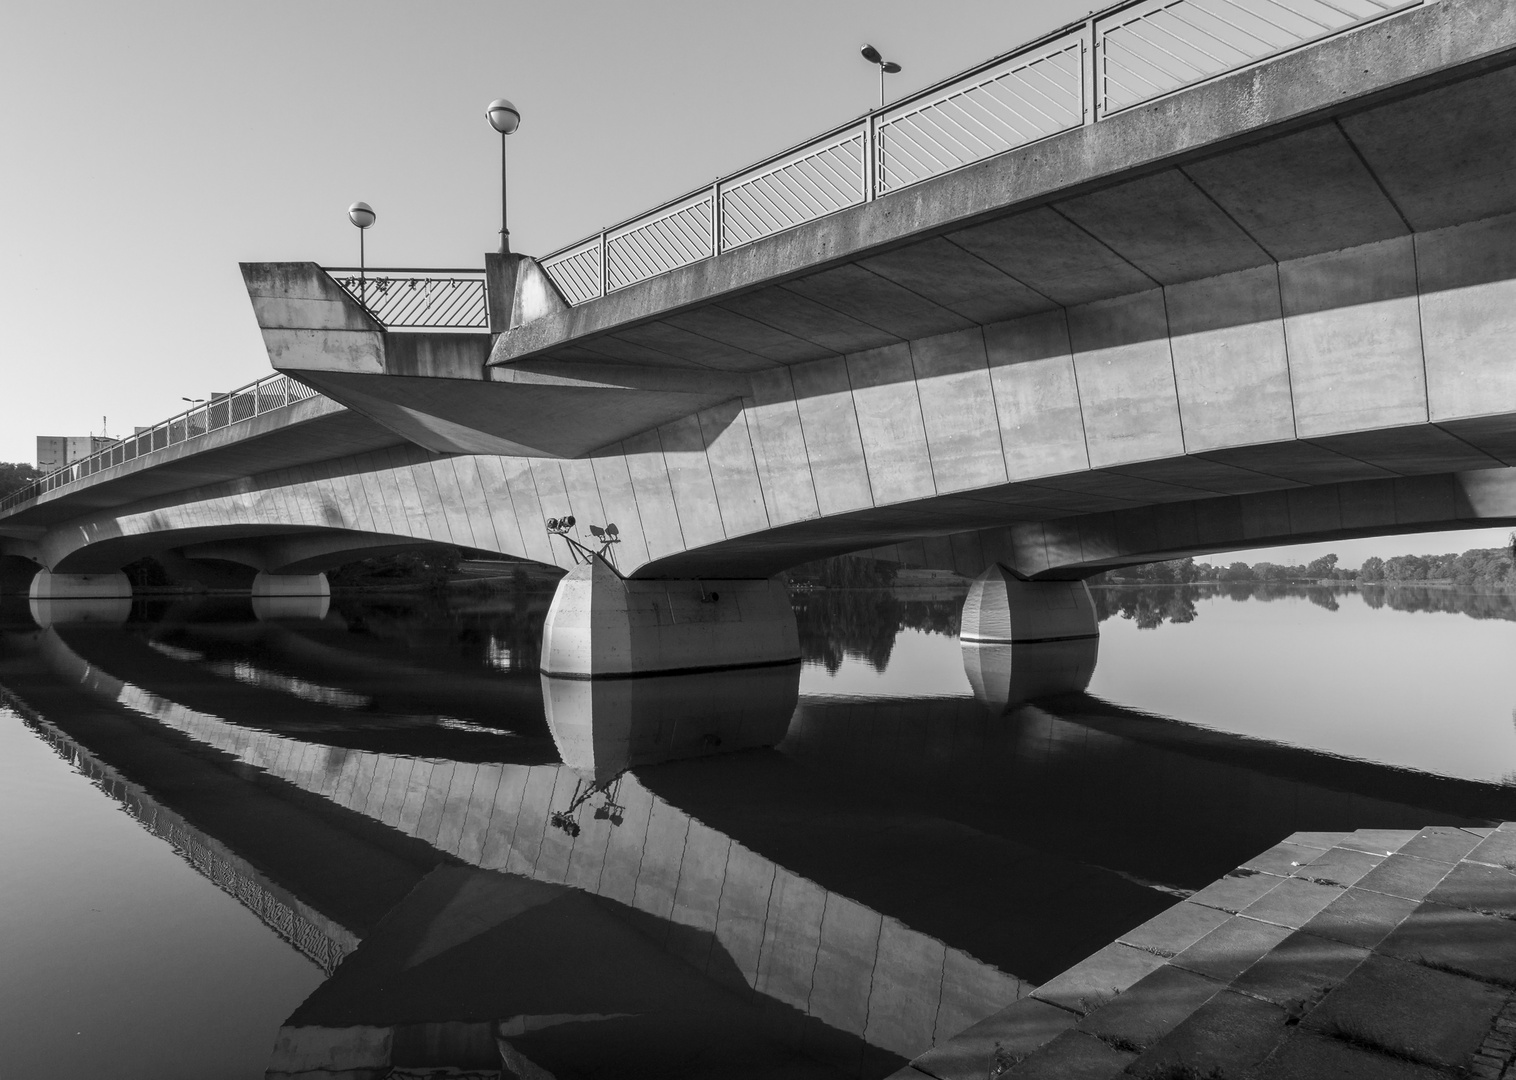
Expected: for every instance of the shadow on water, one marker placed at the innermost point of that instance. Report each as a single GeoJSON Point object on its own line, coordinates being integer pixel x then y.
{"type": "Point", "coordinates": [593, 871]}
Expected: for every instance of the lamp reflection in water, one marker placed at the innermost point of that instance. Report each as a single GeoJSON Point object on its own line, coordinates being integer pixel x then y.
{"type": "Point", "coordinates": [602, 727]}
{"type": "Point", "coordinates": [107, 610]}
{"type": "Point", "coordinates": [1007, 675]}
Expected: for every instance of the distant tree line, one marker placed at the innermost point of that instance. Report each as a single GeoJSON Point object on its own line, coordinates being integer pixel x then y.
{"type": "Point", "coordinates": [1480, 569]}
{"type": "Point", "coordinates": [15, 475]}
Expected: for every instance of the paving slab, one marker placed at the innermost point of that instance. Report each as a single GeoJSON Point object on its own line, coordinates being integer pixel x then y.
{"type": "Point", "coordinates": [1340, 866]}
{"type": "Point", "coordinates": [1094, 981]}
{"type": "Point", "coordinates": [1293, 903]}
{"type": "Point", "coordinates": [1151, 1008]}
{"type": "Point", "coordinates": [1497, 848]}
{"type": "Point", "coordinates": [1309, 1056]}
{"type": "Point", "coordinates": [1284, 857]}
{"type": "Point", "coordinates": [1362, 918]}
{"type": "Point", "coordinates": [1176, 929]}
{"type": "Point", "coordinates": [1236, 890]}
{"type": "Point", "coordinates": [1300, 971]}
{"type": "Point", "coordinates": [1480, 946]}
{"type": "Point", "coordinates": [997, 1041]}
{"type": "Point", "coordinates": [1406, 876]}
{"type": "Point", "coordinates": [1441, 842]}
{"type": "Point", "coordinates": [1490, 889]}
{"type": "Point", "coordinates": [1231, 948]}
{"type": "Point", "coordinates": [1073, 1056]}
{"type": "Point", "coordinates": [1379, 841]}
{"type": "Point", "coordinates": [1318, 839]}
{"type": "Point", "coordinates": [1413, 1011]}
{"type": "Point", "coordinates": [1230, 1033]}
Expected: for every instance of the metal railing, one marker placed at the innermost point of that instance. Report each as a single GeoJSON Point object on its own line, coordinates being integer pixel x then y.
{"type": "Point", "coordinates": [1128, 54]}
{"type": "Point", "coordinates": [223, 410]}
{"type": "Point", "coordinates": [411, 299]}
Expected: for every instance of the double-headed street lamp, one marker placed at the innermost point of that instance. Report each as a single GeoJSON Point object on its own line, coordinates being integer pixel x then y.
{"type": "Point", "coordinates": [504, 118]}
{"type": "Point", "coordinates": [886, 67]}
{"type": "Point", "coordinates": [362, 215]}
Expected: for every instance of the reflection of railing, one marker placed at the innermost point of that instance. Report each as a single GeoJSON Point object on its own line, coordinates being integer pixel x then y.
{"type": "Point", "coordinates": [267, 394]}
{"type": "Point", "coordinates": [316, 937]}
{"type": "Point", "coordinates": [1130, 53]}
{"type": "Point", "coordinates": [406, 299]}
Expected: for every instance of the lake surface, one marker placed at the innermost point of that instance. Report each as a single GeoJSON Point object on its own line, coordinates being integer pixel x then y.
{"type": "Point", "coordinates": [235, 842]}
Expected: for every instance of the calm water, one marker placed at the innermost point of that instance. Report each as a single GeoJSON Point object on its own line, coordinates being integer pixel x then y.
{"type": "Point", "coordinates": [234, 843]}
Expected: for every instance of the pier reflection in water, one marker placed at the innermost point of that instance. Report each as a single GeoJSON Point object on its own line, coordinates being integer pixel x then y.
{"type": "Point", "coordinates": [707, 875]}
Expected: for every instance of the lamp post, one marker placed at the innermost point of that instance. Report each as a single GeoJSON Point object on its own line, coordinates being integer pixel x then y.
{"type": "Point", "coordinates": [362, 215]}
{"type": "Point", "coordinates": [886, 67]}
{"type": "Point", "coordinates": [504, 118]}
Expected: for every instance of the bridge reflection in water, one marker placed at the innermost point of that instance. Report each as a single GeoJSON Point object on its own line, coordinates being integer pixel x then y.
{"type": "Point", "coordinates": [681, 876]}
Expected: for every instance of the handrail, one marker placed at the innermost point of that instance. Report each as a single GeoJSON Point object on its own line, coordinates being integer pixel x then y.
{"type": "Point", "coordinates": [405, 298]}
{"type": "Point", "coordinates": [257, 398]}
{"type": "Point", "coordinates": [1131, 53]}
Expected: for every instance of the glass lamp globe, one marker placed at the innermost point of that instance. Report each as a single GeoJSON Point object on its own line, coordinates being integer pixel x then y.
{"type": "Point", "coordinates": [504, 117]}
{"type": "Point", "coordinates": [361, 214]}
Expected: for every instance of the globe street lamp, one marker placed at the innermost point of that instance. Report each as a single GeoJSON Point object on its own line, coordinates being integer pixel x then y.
{"type": "Point", "coordinates": [504, 118]}
{"type": "Point", "coordinates": [362, 215]}
{"type": "Point", "coordinates": [886, 67]}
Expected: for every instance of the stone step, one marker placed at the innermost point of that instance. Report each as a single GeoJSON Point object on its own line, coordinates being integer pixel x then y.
{"type": "Point", "coordinates": [1374, 953]}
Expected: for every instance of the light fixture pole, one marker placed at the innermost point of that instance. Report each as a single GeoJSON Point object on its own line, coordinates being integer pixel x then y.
{"type": "Point", "coordinates": [362, 215]}
{"type": "Point", "coordinates": [886, 67]}
{"type": "Point", "coordinates": [504, 118]}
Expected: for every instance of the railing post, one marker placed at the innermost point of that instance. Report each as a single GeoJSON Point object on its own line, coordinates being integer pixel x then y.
{"type": "Point", "coordinates": [716, 218]}
{"type": "Point", "coordinates": [870, 158]}
{"type": "Point", "coordinates": [605, 261]}
{"type": "Point", "coordinates": [1089, 55]}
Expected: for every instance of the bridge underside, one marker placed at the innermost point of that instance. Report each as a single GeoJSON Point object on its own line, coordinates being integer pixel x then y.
{"type": "Point", "coordinates": [1278, 305]}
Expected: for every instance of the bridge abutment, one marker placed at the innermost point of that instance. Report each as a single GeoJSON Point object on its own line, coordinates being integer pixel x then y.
{"type": "Point", "coordinates": [1002, 609]}
{"type": "Point", "coordinates": [601, 625]}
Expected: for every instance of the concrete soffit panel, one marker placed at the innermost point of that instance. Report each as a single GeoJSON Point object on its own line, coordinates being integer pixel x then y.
{"type": "Point", "coordinates": [532, 417]}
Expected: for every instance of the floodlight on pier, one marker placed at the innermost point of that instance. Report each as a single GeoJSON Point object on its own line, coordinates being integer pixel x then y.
{"type": "Point", "coordinates": [504, 118]}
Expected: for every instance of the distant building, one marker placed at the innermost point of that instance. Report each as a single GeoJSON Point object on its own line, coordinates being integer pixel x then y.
{"type": "Point", "coordinates": [56, 451]}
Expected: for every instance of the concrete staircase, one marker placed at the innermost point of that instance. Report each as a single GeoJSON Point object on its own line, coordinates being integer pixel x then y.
{"type": "Point", "coordinates": [1377, 954]}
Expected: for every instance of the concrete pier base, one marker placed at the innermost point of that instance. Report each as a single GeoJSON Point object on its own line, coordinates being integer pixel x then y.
{"type": "Point", "coordinates": [603, 727]}
{"type": "Point", "coordinates": [50, 586]}
{"type": "Point", "coordinates": [1002, 609]}
{"type": "Point", "coordinates": [1004, 676]}
{"type": "Point", "coordinates": [601, 626]}
{"type": "Point", "coordinates": [107, 610]}
{"type": "Point", "coordinates": [270, 585]}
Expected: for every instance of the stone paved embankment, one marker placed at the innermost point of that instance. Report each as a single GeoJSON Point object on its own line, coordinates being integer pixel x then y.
{"type": "Point", "coordinates": [1381, 955]}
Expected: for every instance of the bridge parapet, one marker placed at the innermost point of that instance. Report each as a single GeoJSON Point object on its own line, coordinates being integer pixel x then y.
{"type": "Point", "coordinates": [407, 298]}
{"type": "Point", "coordinates": [256, 399]}
{"type": "Point", "coordinates": [1127, 55]}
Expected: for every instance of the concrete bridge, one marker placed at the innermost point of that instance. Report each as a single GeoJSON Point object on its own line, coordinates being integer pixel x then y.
{"type": "Point", "coordinates": [1274, 306]}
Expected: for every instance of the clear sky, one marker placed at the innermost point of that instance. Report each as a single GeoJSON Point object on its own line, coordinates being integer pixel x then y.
{"type": "Point", "coordinates": [149, 147]}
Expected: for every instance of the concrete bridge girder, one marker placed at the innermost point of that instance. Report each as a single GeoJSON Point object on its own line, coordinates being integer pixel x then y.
{"type": "Point", "coordinates": [1377, 362]}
